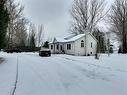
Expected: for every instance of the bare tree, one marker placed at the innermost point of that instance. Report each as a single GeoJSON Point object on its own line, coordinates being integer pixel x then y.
{"type": "Point", "coordinates": [87, 14]}
{"type": "Point", "coordinates": [15, 14]}
{"type": "Point", "coordinates": [108, 34]}
{"type": "Point", "coordinates": [32, 37]}
{"type": "Point", "coordinates": [118, 20]}
{"type": "Point", "coordinates": [101, 38]}
{"type": "Point", "coordinates": [21, 32]}
{"type": "Point", "coordinates": [40, 35]}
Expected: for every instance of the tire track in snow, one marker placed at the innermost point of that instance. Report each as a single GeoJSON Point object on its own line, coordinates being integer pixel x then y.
{"type": "Point", "coordinates": [40, 75]}
{"type": "Point", "coordinates": [16, 79]}
{"type": "Point", "coordinates": [98, 66]}
{"type": "Point", "coordinates": [92, 74]}
{"type": "Point", "coordinates": [66, 81]}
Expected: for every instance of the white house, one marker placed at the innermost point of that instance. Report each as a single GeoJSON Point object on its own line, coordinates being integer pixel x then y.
{"type": "Point", "coordinates": [82, 44]}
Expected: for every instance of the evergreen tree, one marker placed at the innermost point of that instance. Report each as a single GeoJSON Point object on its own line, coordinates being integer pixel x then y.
{"type": "Point", "coordinates": [4, 19]}
{"type": "Point", "coordinates": [46, 44]}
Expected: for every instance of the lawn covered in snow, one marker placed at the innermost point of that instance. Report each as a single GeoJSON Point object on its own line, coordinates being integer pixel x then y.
{"type": "Point", "coordinates": [63, 75]}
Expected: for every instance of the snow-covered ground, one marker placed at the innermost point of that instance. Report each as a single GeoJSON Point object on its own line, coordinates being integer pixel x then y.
{"type": "Point", "coordinates": [63, 75]}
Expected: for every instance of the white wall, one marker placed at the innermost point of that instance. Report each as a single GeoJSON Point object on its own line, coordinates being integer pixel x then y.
{"type": "Point", "coordinates": [55, 50]}
{"type": "Point", "coordinates": [94, 45]}
{"type": "Point", "coordinates": [52, 50]}
{"type": "Point", "coordinates": [71, 51]}
{"type": "Point", "coordinates": [78, 49]}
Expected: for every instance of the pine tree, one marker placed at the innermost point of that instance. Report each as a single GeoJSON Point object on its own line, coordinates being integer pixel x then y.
{"type": "Point", "coordinates": [4, 18]}
{"type": "Point", "coordinates": [46, 44]}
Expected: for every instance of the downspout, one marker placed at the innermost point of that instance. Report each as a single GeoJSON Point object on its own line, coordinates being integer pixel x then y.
{"type": "Point", "coordinates": [85, 45]}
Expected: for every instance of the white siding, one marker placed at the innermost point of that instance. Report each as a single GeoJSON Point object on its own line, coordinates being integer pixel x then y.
{"type": "Point", "coordinates": [78, 49]}
{"type": "Point", "coordinates": [52, 50]}
{"type": "Point", "coordinates": [90, 49]}
{"type": "Point", "coordinates": [55, 50]}
{"type": "Point", "coordinates": [71, 51]}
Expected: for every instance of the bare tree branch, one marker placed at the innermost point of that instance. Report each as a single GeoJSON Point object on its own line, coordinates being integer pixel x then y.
{"type": "Point", "coordinates": [87, 14]}
{"type": "Point", "coordinates": [118, 20]}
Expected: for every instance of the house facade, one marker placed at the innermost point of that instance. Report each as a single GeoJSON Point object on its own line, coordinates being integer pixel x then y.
{"type": "Point", "coordinates": [82, 44]}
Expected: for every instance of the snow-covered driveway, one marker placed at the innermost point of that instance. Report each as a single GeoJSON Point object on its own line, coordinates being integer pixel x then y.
{"type": "Point", "coordinates": [63, 75]}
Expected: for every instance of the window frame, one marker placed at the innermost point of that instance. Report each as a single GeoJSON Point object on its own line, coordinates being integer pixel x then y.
{"type": "Point", "coordinates": [91, 45]}
{"type": "Point", "coordinates": [51, 47]}
{"type": "Point", "coordinates": [57, 47]}
{"type": "Point", "coordinates": [82, 44]}
{"type": "Point", "coordinates": [68, 46]}
{"type": "Point", "coordinates": [61, 47]}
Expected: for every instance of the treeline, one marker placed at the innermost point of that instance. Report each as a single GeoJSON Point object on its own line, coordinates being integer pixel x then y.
{"type": "Point", "coordinates": [17, 31]}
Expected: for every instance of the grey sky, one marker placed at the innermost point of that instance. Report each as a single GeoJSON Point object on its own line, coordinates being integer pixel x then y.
{"type": "Point", "coordinates": [54, 14]}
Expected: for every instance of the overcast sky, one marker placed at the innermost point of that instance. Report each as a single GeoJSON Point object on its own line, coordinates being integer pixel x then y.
{"type": "Point", "coordinates": [54, 14]}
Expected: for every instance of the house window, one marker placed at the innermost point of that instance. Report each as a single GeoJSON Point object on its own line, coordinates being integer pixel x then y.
{"type": "Point", "coordinates": [68, 46]}
{"type": "Point", "coordinates": [61, 47]}
{"type": "Point", "coordinates": [51, 46]}
{"type": "Point", "coordinates": [57, 47]}
{"type": "Point", "coordinates": [82, 43]}
{"type": "Point", "coordinates": [91, 44]}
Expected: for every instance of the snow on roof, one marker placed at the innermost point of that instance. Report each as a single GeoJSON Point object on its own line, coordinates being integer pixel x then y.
{"type": "Point", "coordinates": [60, 39]}
{"type": "Point", "coordinates": [57, 39]}
{"type": "Point", "coordinates": [75, 38]}
{"type": "Point", "coordinates": [72, 39]}
{"type": "Point", "coordinates": [70, 36]}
